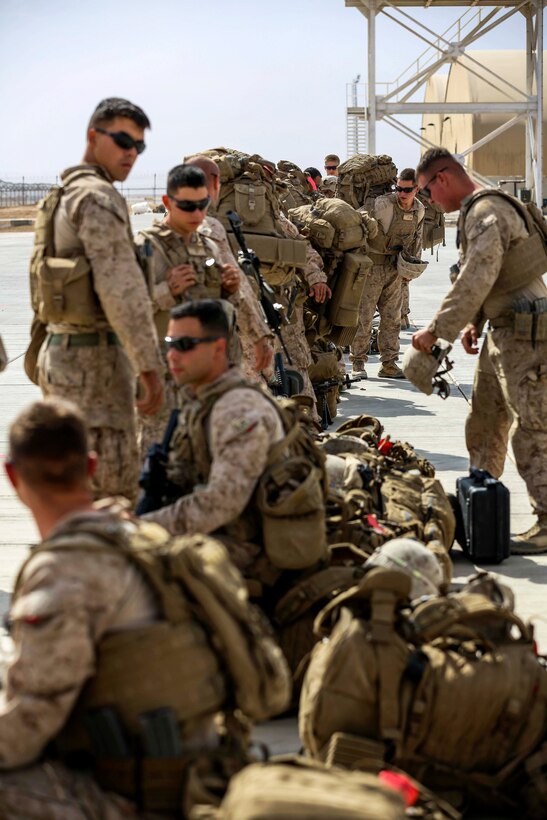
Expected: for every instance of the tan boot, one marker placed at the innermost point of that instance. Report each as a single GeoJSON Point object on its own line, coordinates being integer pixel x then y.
{"type": "Point", "coordinates": [358, 369]}
{"type": "Point", "coordinates": [390, 370]}
{"type": "Point", "coordinates": [533, 541]}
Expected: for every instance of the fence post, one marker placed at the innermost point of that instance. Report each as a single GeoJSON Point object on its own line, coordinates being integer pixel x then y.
{"type": "Point", "coordinates": [23, 191]}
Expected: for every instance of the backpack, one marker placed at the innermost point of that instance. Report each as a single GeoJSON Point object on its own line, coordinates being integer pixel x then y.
{"type": "Point", "coordinates": [454, 695]}
{"type": "Point", "coordinates": [331, 224]}
{"type": "Point", "coordinates": [248, 188]}
{"type": "Point", "coordinates": [433, 224]}
{"type": "Point", "coordinates": [302, 789]}
{"type": "Point", "coordinates": [363, 177]}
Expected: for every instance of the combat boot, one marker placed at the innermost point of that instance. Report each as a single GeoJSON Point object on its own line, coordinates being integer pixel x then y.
{"type": "Point", "coordinates": [533, 541]}
{"type": "Point", "coordinates": [358, 369]}
{"type": "Point", "coordinates": [390, 370]}
{"type": "Point", "coordinates": [405, 323]}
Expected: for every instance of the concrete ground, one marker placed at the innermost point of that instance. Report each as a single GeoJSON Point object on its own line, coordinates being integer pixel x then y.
{"type": "Point", "coordinates": [433, 426]}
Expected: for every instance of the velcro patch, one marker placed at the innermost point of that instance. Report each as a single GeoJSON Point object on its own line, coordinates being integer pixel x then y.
{"type": "Point", "coordinates": [482, 225]}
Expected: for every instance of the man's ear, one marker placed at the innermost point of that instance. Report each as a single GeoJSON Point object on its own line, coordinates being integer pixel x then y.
{"type": "Point", "coordinates": [11, 473]}
{"type": "Point", "coordinates": [166, 201]}
{"type": "Point", "coordinates": [92, 462]}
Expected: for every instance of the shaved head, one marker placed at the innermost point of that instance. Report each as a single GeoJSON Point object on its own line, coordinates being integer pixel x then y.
{"type": "Point", "coordinates": [205, 164]}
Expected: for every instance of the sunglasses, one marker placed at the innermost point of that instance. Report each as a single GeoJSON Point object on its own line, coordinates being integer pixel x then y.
{"type": "Point", "coordinates": [331, 167]}
{"type": "Point", "coordinates": [190, 205]}
{"type": "Point", "coordinates": [185, 343]}
{"type": "Point", "coordinates": [123, 140]}
{"type": "Point", "coordinates": [402, 190]}
{"type": "Point", "coordinates": [426, 190]}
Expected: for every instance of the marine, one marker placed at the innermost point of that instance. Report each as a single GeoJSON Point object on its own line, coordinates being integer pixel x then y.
{"type": "Point", "coordinates": [91, 302]}
{"type": "Point", "coordinates": [499, 284]}
{"type": "Point", "coordinates": [110, 659]}
{"type": "Point", "coordinates": [400, 220]}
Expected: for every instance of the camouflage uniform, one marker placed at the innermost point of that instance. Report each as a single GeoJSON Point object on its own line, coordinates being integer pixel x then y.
{"type": "Point", "coordinates": [64, 603]}
{"type": "Point", "coordinates": [294, 334]}
{"type": "Point", "coordinates": [250, 318]}
{"type": "Point", "coordinates": [160, 249]}
{"type": "Point", "coordinates": [510, 386]}
{"type": "Point", "coordinates": [93, 221]}
{"type": "Point", "coordinates": [240, 430]}
{"type": "Point", "coordinates": [383, 284]}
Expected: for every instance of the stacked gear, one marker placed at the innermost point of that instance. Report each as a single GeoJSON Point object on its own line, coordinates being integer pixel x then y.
{"type": "Point", "coordinates": [381, 489]}
{"type": "Point", "coordinates": [211, 651]}
{"type": "Point", "coordinates": [340, 234]}
{"type": "Point", "coordinates": [448, 688]}
{"type": "Point", "coordinates": [326, 379]}
{"type": "Point", "coordinates": [434, 224]}
{"type": "Point", "coordinates": [293, 189]}
{"type": "Point", "coordinates": [364, 177]}
{"type": "Point", "coordinates": [248, 188]}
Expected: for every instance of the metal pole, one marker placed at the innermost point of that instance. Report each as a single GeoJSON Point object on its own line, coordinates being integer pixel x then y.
{"type": "Point", "coordinates": [539, 92]}
{"type": "Point", "coordinates": [371, 117]}
{"type": "Point", "coordinates": [528, 171]}
{"type": "Point", "coordinates": [154, 197]}
{"type": "Point", "coordinates": [23, 191]}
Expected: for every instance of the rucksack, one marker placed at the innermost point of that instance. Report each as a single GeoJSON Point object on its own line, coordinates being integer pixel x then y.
{"type": "Point", "coordinates": [331, 224]}
{"type": "Point", "coordinates": [458, 699]}
{"type": "Point", "coordinates": [302, 789]}
{"type": "Point", "coordinates": [363, 177]}
{"type": "Point", "coordinates": [248, 188]}
{"type": "Point", "coordinates": [433, 224]}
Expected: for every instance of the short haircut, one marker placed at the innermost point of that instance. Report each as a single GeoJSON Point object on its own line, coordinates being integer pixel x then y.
{"type": "Point", "coordinates": [185, 176]}
{"type": "Point", "coordinates": [330, 158]}
{"type": "Point", "coordinates": [48, 444]}
{"type": "Point", "coordinates": [113, 107]}
{"type": "Point", "coordinates": [436, 157]}
{"type": "Point", "coordinates": [407, 174]}
{"type": "Point", "coordinates": [209, 313]}
{"type": "Point", "coordinates": [312, 172]}
{"type": "Point", "coordinates": [205, 164]}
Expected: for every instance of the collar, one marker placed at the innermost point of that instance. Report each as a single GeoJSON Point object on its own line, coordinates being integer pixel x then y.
{"type": "Point", "coordinates": [87, 166]}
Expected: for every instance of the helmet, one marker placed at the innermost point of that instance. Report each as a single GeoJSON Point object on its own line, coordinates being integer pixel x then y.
{"type": "Point", "coordinates": [423, 369]}
{"type": "Point", "coordinates": [410, 267]}
{"type": "Point", "coordinates": [414, 559]}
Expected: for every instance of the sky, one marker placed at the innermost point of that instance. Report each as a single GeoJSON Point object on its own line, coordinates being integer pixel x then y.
{"type": "Point", "coordinates": [267, 78]}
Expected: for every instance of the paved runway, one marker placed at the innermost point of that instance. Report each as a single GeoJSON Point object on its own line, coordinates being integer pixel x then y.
{"type": "Point", "coordinates": [433, 426]}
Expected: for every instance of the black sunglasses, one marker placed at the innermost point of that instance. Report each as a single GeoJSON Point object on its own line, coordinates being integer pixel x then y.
{"type": "Point", "coordinates": [123, 140]}
{"type": "Point", "coordinates": [331, 167]}
{"type": "Point", "coordinates": [185, 343]}
{"type": "Point", "coordinates": [425, 191]}
{"type": "Point", "coordinates": [402, 190]}
{"type": "Point", "coordinates": [190, 205]}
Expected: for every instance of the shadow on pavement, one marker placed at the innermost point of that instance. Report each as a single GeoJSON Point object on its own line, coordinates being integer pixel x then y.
{"type": "Point", "coordinates": [446, 461]}
{"type": "Point", "coordinates": [382, 408]}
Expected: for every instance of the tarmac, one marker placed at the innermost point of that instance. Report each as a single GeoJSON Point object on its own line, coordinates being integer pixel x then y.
{"type": "Point", "coordinates": [433, 426]}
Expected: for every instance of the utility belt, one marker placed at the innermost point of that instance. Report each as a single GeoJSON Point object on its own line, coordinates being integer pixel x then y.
{"type": "Point", "coordinates": [82, 339]}
{"type": "Point", "coordinates": [151, 769]}
{"type": "Point", "coordinates": [528, 320]}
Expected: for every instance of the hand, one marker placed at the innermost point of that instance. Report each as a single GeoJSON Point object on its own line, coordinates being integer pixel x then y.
{"type": "Point", "coordinates": [424, 340]}
{"type": "Point", "coordinates": [230, 278]}
{"type": "Point", "coordinates": [180, 279]}
{"type": "Point", "coordinates": [263, 354]}
{"type": "Point", "coordinates": [320, 292]}
{"type": "Point", "coordinates": [470, 340]}
{"type": "Point", "coordinates": [152, 399]}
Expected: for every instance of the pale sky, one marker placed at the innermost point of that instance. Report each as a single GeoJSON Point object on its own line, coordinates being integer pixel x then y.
{"type": "Point", "coordinates": [267, 78]}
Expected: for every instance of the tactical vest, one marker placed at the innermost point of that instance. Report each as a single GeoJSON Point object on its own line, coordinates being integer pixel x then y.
{"type": "Point", "coordinates": [198, 252]}
{"type": "Point", "coordinates": [62, 287]}
{"type": "Point", "coordinates": [286, 515]}
{"type": "Point", "coordinates": [526, 260]}
{"type": "Point", "coordinates": [210, 651]}
{"type": "Point", "coordinates": [384, 248]}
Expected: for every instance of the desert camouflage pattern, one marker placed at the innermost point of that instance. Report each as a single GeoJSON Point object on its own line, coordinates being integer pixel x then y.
{"type": "Point", "coordinates": [510, 386]}
{"type": "Point", "coordinates": [250, 318]}
{"type": "Point", "coordinates": [101, 381]}
{"type": "Point", "coordinates": [509, 401]}
{"type": "Point", "coordinates": [93, 221]}
{"type": "Point", "coordinates": [384, 287]}
{"type": "Point", "coordinates": [241, 428]}
{"type": "Point", "coordinates": [63, 604]}
{"type": "Point", "coordinates": [50, 791]}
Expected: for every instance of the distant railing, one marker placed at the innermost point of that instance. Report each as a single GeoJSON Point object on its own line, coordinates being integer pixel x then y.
{"type": "Point", "coordinates": [13, 194]}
